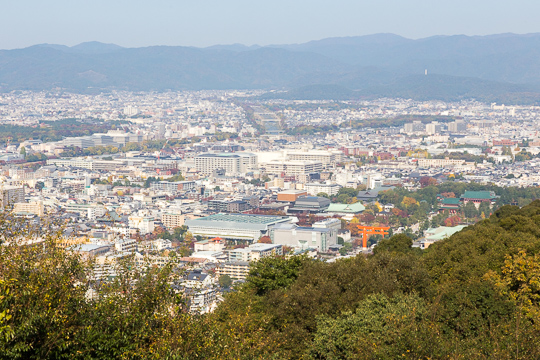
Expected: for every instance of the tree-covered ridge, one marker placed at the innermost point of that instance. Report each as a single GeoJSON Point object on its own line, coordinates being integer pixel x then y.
{"type": "Point", "coordinates": [473, 295]}
{"type": "Point", "coordinates": [55, 130]}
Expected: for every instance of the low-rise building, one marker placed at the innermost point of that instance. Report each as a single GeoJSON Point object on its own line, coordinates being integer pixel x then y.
{"type": "Point", "coordinates": [237, 270]}
{"type": "Point", "coordinates": [303, 237]}
{"type": "Point", "coordinates": [310, 204]}
{"type": "Point", "coordinates": [215, 244]}
{"type": "Point", "coordinates": [172, 187]}
{"type": "Point", "coordinates": [34, 207]}
{"type": "Point", "coordinates": [290, 195]}
{"type": "Point", "coordinates": [255, 252]}
{"type": "Point", "coordinates": [316, 188]}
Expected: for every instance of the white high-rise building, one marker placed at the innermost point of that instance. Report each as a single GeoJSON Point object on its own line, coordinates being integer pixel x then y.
{"type": "Point", "coordinates": [232, 163]}
{"type": "Point", "coordinates": [130, 111]}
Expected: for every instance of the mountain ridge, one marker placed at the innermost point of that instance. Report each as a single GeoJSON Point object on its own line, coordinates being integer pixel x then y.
{"type": "Point", "coordinates": [364, 63]}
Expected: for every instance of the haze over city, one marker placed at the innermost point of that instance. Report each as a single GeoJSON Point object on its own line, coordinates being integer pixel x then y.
{"type": "Point", "coordinates": [211, 22]}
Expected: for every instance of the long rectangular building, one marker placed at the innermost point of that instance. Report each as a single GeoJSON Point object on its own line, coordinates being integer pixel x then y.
{"type": "Point", "coordinates": [172, 187]}
{"type": "Point", "coordinates": [93, 164]}
{"type": "Point", "coordinates": [325, 157]}
{"type": "Point", "coordinates": [232, 163]}
{"type": "Point", "coordinates": [297, 167]}
{"type": "Point", "coordinates": [249, 228]}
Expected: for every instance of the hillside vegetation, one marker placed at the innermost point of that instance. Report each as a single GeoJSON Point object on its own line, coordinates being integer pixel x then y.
{"type": "Point", "coordinates": [474, 295]}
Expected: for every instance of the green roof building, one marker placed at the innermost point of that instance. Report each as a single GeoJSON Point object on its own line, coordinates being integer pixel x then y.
{"type": "Point", "coordinates": [346, 209]}
{"type": "Point", "coordinates": [478, 197]}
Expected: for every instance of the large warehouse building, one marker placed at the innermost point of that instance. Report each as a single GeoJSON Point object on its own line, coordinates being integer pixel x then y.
{"type": "Point", "coordinates": [248, 228]}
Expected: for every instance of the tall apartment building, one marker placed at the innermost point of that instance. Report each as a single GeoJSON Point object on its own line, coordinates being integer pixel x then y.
{"type": "Point", "coordinates": [415, 126]}
{"type": "Point", "coordinates": [9, 195]}
{"type": "Point", "coordinates": [232, 163]}
{"type": "Point", "coordinates": [235, 269]}
{"type": "Point", "coordinates": [171, 221]}
{"type": "Point", "coordinates": [433, 128]}
{"type": "Point", "coordinates": [457, 126]}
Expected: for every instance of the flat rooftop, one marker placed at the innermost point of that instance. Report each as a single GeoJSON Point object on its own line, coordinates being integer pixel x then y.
{"type": "Point", "coordinates": [243, 218]}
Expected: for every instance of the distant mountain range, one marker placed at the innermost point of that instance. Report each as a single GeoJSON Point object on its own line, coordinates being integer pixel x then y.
{"type": "Point", "coordinates": [504, 68]}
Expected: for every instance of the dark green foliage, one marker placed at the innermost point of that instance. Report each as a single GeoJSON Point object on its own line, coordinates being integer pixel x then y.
{"type": "Point", "coordinates": [150, 180]}
{"type": "Point", "coordinates": [464, 297]}
{"type": "Point", "coordinates": [274, 273]}
{"type": "Point", "coordinates": [346, 248]}
{"type": "Point", "coordinates": [46, 292]}
{"type": "Point", "coordinates": [415, 304]}
{"type": "Point", "coordinates": [225, 281]}
{"type": "Point", "coordinates": [351, 192]}
{"type": "Point", "coordinates": [54, 130]}
{"type": "Point", "coordinates": [377, 318]}
{"type": "Point", "coordinates": [397, 243]}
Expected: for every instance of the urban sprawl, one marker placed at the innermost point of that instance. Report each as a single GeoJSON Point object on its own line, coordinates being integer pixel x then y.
{"type": "Point", "coordinates": [212, 181]}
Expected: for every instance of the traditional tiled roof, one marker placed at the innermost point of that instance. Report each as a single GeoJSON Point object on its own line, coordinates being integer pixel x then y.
{"type": "Point", "coordinates": [450, 201]}
{"type": "Point", "coordinates": [483, 195]}
{"type": "Point", "coordinates": [346, 208]}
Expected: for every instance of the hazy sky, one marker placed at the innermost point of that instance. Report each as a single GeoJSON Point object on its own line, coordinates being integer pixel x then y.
{"type": "Point", "coordinates": [134, 23]}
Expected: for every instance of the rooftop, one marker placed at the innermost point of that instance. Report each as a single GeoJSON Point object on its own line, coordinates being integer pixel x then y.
{"type": "Point", "coordinates": [243, 218]}
{"type": "Point", "coordinates": [346, 208]}
{"type": "Point", "coordinates": [442, 232]}
{"type": "Point", "coordinates": [226, 155]}
{"type": "Point", "coordinates": [479, 195]}
{"type": "Point", "coordinates": [450, 201]}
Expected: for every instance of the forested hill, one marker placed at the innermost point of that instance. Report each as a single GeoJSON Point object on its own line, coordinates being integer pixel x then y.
{"type": "Point", "coordinates": [474, 295]}
{"type": "Point", "coordinates": [499, 68]}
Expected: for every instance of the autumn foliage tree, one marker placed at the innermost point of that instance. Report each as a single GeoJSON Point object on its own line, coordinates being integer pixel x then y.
{"type": "Point", "coordinates": [452, 221]}
{"type": "Point", "coordinates": [426, 181]}
{"type": "Point", "coordinates": [265, 240]}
